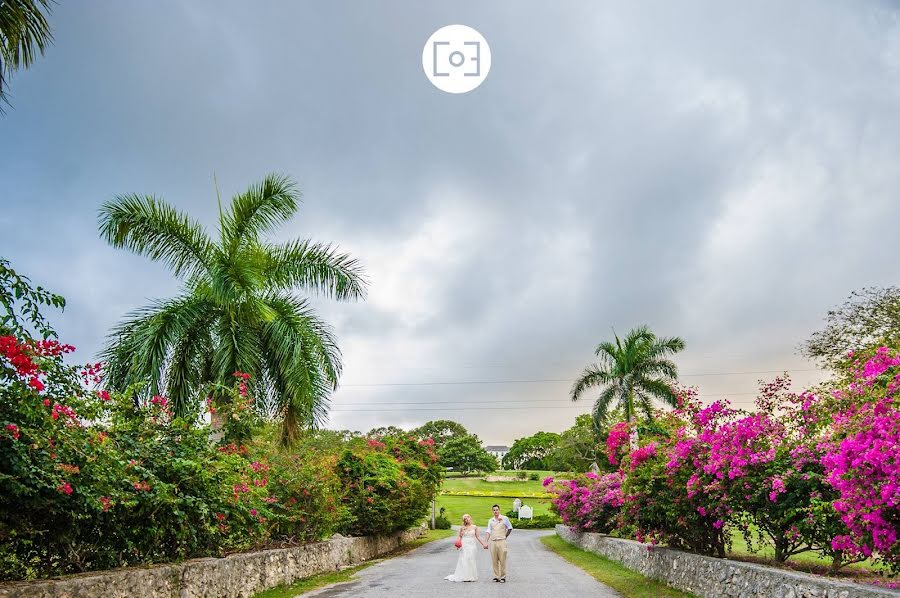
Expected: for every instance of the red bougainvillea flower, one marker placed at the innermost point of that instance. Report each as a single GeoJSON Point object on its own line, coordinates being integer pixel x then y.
{"type": "Point", "coordinates": [103, 394]}
{"type": "Point", "coordinates": [241, 375]}
{"type": "Point", "coordinates": [105, 501]}
{"type": "Point", "coordinates": [36, 384]}
{"type": "Point", "coordinates": [64, 488]}
{"type": "Point", "coordinates": [13, 431]}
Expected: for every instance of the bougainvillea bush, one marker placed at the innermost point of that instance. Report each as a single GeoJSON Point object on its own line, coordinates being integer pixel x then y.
{"type": "Point", "coordinates": [389, 483]}
{"type": "Point", "coordinates": [93, 480]}
{"type": "Point", "coordinates": [862, 458]}
{"type": "Point", "coordinates": [816, 471]}
{"type": "Point", "coordinates": [587, 502]}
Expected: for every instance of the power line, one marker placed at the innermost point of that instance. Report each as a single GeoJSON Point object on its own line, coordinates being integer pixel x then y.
{"type": "Point", "coordinates": [552, 380]}
{"type": "Point", "coordinates": [461, 408]}
{"type": "Point", "coordinates": [479, 402]}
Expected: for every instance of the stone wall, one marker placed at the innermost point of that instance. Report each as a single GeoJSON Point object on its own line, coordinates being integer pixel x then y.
{"type": "Point", "coordinates": [234, 576]}
{"type": "Point", "coordinates": [709, 577]}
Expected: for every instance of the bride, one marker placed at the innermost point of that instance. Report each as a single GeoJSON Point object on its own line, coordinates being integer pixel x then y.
{"type": "Point", "coordinates": [466, 566]}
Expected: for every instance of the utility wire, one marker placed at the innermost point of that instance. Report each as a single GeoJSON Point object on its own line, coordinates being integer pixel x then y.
{"type": "Point", "coordinates": [545, 380]}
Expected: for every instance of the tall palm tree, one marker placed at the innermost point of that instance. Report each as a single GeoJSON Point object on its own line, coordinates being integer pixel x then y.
{"type": "Point", "coordinates": [24, 33]}
{"type": "Point", "coordinates": [632, 372]}
{"type": "Point", "coordinates": [237, 310]}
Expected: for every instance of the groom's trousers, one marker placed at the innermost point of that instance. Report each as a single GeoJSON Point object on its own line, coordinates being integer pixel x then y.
{"type": "Point", "coordinates": [498, 557]}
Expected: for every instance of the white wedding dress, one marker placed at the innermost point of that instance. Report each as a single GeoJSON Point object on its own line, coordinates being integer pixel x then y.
{"type": "Point", "coordinates": [466, 567]}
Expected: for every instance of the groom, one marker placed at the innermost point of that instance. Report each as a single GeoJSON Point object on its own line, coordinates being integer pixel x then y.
{"type": "Point", "coordinates": [498, 529]}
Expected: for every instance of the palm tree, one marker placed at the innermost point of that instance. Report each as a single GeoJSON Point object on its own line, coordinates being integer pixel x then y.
{"type": "Point", "coordinates": [237, 310]}
{"type": "Point", "coordinates": [24, 33]}
{"type": "Point", "coordinates": [632, 373]}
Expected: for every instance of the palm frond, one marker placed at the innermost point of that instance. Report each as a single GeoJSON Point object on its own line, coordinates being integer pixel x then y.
{"type": "Point", "coordinates": [150, 227]}
{"type": "Point", "coordinates": [659, 390]}
{"type": "Point", "coordinates": [303, 357]}
{"type": "Point", "coordinates": [138, 348]}
{"type": "Point", "coordinates": [603, 403]}
{"type": "Point", "coordinates": [259, 209]}
{"type": "Point", "coordinates": [591, 377]}
{"type": "Point", "coordinates": [24, 34]}
{"type": "Point", "coordinates": [314, 267]}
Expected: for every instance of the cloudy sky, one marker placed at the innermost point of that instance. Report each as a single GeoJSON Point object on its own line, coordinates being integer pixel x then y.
{"type": "Point", "coordinates": [726, 174]}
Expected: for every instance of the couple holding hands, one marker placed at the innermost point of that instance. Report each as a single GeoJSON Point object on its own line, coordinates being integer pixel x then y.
{"type": "Point", "coordinates": [469, 538]}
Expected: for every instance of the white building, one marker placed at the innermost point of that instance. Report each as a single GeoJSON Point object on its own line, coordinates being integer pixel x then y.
{"type": "Point", "coordinates": [497, 451]}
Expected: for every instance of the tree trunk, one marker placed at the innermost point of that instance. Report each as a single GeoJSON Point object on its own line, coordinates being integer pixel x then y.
{"type": "Point", "coordinates": [629, 418]}
{"type": "Point", "coordinates": [780, 551]}
{"type": "Point", "coordinates": [216, 427]}
{"type": "Point", "coordinates": [836, 558]}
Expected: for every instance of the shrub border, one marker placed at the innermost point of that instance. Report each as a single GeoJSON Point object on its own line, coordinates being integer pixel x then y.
{"type": "Point", "coordinates": [233, 576]}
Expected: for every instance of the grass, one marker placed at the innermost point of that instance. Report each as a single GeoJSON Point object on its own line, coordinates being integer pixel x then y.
{"type": "Point", "coordinates": [805, 561]}
{"type": "Point", "coordinates": [480, 507]}
{"type": "Point", "coordinates": [309, 584]}
{"type": "Point", "coordinates": [624, 581]}
{"type": "Point", "coordinates": [478, 484]}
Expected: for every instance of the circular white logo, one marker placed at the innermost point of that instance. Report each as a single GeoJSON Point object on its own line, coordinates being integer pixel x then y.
{"type": "Point", "coordinates": [456, 59]}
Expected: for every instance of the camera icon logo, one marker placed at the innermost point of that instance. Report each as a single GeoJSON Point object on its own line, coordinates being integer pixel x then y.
{"type": "Point", "coordinates": [456, 59]}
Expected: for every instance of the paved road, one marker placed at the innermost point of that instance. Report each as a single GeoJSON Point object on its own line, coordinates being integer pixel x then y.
{"type": "Point", "coordinates": [533, 571]}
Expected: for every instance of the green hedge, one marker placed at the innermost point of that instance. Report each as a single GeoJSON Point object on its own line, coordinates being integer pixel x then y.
{"type": "Point", "coordinates": [538, 522]}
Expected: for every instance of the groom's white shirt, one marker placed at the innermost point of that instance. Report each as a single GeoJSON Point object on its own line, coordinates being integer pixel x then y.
{"type": "Point", "coordinates": [505, 521]}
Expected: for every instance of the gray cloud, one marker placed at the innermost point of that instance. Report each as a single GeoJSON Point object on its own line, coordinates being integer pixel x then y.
{"type": "Point", "coordinates": [722, 173]}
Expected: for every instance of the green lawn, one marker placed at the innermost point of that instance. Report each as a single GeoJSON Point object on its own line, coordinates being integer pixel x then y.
{"type": "Point", "coordinates": [309, 584]}
{"type": "Point", "coordinates": [478, 484]}
{"type": "Point", "coordinates": [806, 561]}
{"type": "Point", "coordinates": [625, 581]}
{"type": "Point", "coordinates": [480, 507]}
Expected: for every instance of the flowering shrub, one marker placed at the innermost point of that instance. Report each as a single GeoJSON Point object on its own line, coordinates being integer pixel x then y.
{"type": "Point", "coordinates": [588, 502]}
{"type": "Point", "coordinates": [90, 480]}
{"type": "Point", "coordinates": [810, 471]}
{"type": "Point", "coordinates": [862, 459]}
{"type": "Point", "coordinates": [389, 483]}
{"type": "Point", "coordinates": [618, 437]}
{"type": "Point", "coordinates": [659, 508]}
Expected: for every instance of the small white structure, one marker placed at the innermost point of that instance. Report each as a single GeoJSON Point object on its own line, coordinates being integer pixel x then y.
{"type": "Point", "coordinates": [524, 512]}
{"type": "Point", "coordinates": [497, 451]}
{"type": "Point", "coordinates": [516, 505]}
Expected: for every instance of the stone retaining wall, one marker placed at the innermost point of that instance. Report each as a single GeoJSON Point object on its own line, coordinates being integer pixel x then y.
{"type": "Point", "coordinates": [234, 576]}
{"type": "Point", "coordinates": [709, 577]}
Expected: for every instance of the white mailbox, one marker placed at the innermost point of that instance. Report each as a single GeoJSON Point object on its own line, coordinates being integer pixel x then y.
{"type": "Point", "coordinates": [516, 505]}
{"type": "Point", "coordinates": [524, 512]}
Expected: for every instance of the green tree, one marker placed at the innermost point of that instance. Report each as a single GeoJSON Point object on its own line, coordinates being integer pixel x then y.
{"type": "Point", "coordinates": [24, 33]}
{"type": "Point", "coordinates": [237, 311]}
{"type": "Point", "coordinates": [440, 430]}
{"type": "Point", "coordinates": [530, 452]}
{"type": "Point", "coordinates": [465, 453]}
{"type": "Point", "coordinates": [869, 318]}
{"type": "Point", "coordinates": [385, 432]}
{"type": "Point", "coordinates": [21, 303]}
{"type": "Point", "coordinates": [578, 447]}
{"type": "Point", "coordinates": [632, 373]}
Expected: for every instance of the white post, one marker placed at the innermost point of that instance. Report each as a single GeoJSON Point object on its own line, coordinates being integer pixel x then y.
{"type": "Point", "coordinates": [432, 513]}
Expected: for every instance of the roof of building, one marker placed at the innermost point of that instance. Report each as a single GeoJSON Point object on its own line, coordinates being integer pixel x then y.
{"type": "Point", "coordinates": [496, 448]}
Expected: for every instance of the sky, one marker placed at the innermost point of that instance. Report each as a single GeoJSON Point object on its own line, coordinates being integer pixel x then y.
{"type": "Point", "coordinates": [726, 174]}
